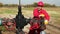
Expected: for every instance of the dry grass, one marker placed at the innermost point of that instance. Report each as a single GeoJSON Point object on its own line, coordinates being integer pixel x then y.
{"type": "Point", "coordinates": [27, 12]}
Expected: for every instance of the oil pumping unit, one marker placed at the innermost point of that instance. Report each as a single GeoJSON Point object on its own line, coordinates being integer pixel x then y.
{"type": "Point", "coordinates": [20, 19]}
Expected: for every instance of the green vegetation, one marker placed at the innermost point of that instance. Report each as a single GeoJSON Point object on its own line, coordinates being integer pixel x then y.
{"type": "Point", "coordinates": [8, 5]}
{"type": "Point", "coordinates": [8, 10]}
{"type": "Point", "coordinates": [35, 5]}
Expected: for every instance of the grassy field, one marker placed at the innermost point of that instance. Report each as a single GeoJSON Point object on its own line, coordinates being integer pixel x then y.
{"type": "Point", "coordinates": [53, 12]}
{"type": "Point", "coordinates": [5, 10]}
{"type": "Point", "coordinates": [28, 12]}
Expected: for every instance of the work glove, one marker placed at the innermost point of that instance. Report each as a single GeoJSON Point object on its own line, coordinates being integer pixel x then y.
{"type": "Point", "coordinates": [46, 22]}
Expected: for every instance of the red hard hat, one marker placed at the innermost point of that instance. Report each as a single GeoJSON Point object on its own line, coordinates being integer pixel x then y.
{"type": "Point", "coordinates": [40, 4]}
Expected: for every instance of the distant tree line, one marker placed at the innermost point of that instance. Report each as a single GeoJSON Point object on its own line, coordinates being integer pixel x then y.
{"type": "Point", "coordinates": [1, 4]}
{"type": "Point", "coordinates": [45, 5]}
{"type": "Point", "coordinates": [8, 5]}
{"type": "Point", "coordinates": [30, 5]}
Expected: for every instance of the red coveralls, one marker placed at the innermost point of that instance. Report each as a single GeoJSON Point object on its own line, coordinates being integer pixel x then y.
{"type": "Point", "coordinates": [36, 13]}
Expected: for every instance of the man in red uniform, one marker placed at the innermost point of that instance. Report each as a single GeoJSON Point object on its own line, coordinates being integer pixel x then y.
{"type": "Point", "coordinates": [39, 11]}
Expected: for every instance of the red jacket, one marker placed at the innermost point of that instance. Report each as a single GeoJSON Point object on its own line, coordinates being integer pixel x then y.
{"type": "Point", "coordinates": [36, 13]}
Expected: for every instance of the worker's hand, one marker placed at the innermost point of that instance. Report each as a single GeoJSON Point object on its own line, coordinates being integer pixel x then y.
{"type": "Point", "coordinates": [46, 22]}
{"type": "Point", "coordinates": [41, 15]}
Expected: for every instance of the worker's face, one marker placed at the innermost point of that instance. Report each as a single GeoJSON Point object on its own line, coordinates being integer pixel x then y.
{"type": "Point", "coordinates": [39, 7]}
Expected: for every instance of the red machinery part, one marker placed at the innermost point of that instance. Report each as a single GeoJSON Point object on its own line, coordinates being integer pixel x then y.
{"type": "Point", "coordinates": [10, 26]}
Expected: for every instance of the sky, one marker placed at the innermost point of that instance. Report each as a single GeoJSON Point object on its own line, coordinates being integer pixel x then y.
{"type": "Point", "coordinates": [56, 2]}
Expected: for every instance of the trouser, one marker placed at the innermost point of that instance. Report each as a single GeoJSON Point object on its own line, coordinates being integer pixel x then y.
{"type": "Point", "coordinates": [35, 31]}
{"type": "Point", "coordinates": [42, 32]}
{"type": "Point", "coordinates": [39, 32]}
